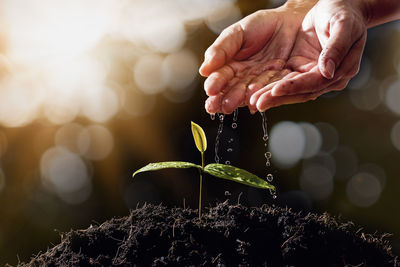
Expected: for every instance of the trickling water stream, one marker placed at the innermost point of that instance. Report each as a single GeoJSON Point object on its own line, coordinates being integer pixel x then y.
{"type": "Point", "coordinates": [219, 132]}
{"type": "Point", "coordinates": [267, 154]}
{"type": "Point", "coordinates": [234, 125]}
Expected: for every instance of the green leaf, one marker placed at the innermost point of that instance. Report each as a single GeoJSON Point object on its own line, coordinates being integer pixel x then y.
{"type": "Point", "coordinates": [238, 175]}
{"type": "Point", "coordinates": [199, 137]}
{"type": "Point", "coordinates": [166, 165]}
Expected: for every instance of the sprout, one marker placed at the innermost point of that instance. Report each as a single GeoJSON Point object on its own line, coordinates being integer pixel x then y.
{"type": "Point", "coordinates": [215, 169]}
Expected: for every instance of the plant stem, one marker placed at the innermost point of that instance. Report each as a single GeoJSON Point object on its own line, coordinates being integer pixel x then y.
{"type": "Point", "coordinates": [201, 183]}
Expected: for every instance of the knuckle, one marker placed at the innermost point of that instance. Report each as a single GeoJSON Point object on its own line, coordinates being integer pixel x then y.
{"type": "Point", "coordinates": [354, 71]}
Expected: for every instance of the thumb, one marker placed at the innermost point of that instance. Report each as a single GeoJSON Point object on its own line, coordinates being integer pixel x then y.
{"type": "Point", "coordinates": [335, 49]}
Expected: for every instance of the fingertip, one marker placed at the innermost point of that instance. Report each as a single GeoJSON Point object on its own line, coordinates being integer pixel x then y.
{"type": "Point", "coordinates": [264, 102]}
{"type": "Point", "coordinates": [228, 106]}
{"type": "Point", "coordinates": [213, 84]}
{"type": "Point", "coordinates": [277, 90]}
{"type": "Point", "coordinates": [204, 69]}
{"type": "Point", "coordinates": [214, 59]}
{"type": "Point", "coordinates": [327, 68]}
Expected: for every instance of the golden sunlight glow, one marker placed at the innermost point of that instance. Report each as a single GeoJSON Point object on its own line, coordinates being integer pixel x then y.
{"type": "Point", "coordinates": [68, 59]}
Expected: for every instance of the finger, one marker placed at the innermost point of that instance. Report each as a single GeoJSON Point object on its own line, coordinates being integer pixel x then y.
{"type": "Point", "coordinates": [223, 49]}
{"type": "Point", "coordinates": [214, 84]}
{"type": "Point", "coordinates": [313, 81]}
{"type": "Point", "coordinates": [256, 94]}
{"type": "Point", "coordinates": [337, 46]}
{"type": "Point", "coordinates": [302, 83]}
{"type": "Point", "coordinates": [213, 104]}
{"type": "Point", "coordinates": [267, 100]}
{"type": "Point", "coordinates": [351, 63]}
{"type": "Point", "coordinates": [234, 98]}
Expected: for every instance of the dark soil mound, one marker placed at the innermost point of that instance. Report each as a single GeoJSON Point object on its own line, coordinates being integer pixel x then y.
{"type": "Point", "coordinates": [227, 236]}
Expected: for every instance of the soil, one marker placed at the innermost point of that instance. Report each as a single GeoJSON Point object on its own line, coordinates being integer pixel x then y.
{"type": "Point", "coordinates": [228, 235]}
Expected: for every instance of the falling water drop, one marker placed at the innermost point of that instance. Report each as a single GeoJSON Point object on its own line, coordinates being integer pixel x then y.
{"type": "Point", "coordinates": [268, 155]}
{"type": "Point", "coordinates": [270, 177]}
{"type": "Point", "coordinates": [235, 117]}
{"type": "Point", "coordinates": [235, 114]}
{"type": "Point", "coordinates": [212, 116]}
{"type": "Point", "coordinates": [227, 162]}
{"type": "Point", "coordinates": [230, 140]}
{"type": "Point", "coordinates": [229, 150]}
{"type": "Point", "coordinates": [274, 196]}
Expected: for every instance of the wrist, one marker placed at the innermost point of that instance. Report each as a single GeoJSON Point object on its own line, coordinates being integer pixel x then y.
{"type": "Point", "coordinates": [365, 8]}
{"type": "Point", "coordinates": [377, 12]}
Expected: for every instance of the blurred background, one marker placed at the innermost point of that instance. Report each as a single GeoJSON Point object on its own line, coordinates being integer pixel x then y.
{"type": "Point", "coordinates": [92, 90]}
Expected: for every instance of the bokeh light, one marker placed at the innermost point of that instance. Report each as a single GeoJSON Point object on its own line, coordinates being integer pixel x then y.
{"type": "Point", "coordinates": [148, 74]}
{"type": "Point", "coordinates": [180, 69]}
{"type": "Point", "coordinates": [375, 170]}
{"type": "Point", "coordinates": [287, 143]}
{"type": "Point", "coordinates": [74, 137]}
{"type": "Point", "coordinates": [395, 135]}
{"type": "Point", "coordinates": [96, 143]}
{"type": "Point", "coordinates": [313, 139]}
{"type": "Point", "coordinates": [66, 174]}
{"type": "Point", "coordinates": [363, 189]}
{"type": "Point", "coordinates": [393, 97]}
{"type": "Point", "coordinates": [221, 18]}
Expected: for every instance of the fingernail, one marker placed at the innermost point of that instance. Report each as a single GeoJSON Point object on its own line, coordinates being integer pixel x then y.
{"type": "Point", "coordinates": [330, 68]}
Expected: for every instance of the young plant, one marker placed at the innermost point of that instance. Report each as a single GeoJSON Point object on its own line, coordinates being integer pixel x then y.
{"type": "Point", "coordinates": [223, 171]}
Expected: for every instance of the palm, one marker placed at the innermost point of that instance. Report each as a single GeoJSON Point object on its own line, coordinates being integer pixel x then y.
{"type": "Point", "coordinates": [257, 64]}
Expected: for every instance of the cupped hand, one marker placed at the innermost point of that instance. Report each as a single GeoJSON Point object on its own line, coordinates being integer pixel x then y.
{"type": "Point", "coordinates": [249, 55]}
{"type": "Point", "coordinates": [274, 57]}
{"type": "Point", "coordinates": [326, 55]}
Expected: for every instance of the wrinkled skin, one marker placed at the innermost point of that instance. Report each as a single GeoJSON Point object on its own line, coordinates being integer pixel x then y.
{"type": "Point", "coordinates": [283, 56]}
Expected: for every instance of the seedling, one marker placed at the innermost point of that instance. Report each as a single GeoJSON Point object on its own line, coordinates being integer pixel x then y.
{"type": "Point", "coordinates": [223, 171]}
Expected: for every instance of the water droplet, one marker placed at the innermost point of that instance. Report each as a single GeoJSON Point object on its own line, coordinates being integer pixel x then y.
{"type": "Point", "coordinates": [227, 193]}
{"type": "Point", "coordinates": [234, 125]}
{"type": "Point", "coordinates": [272, 192]}
{"type": "Point", "coordinates": [235, 114]}
{"type": "Point", "coordinates": [270, 177]}
{"type": "Point", "coordinates": [212, 116]}
{"type": "Point", "coordinates": [229, 149]}
{"type": "Point", "coordinates": [267, 155]}
{"type": "Point", "coordinates": [227, 162]}
{"type": "Point", "coordinates": [230, 140]}
{"type": "Point", "coordinates": [265, 138]}
{"type": "Point", "coordinates": [268, 163]}
{"type": "Point", "coordinates": [274, 196]}
{"type": "Point", "coordinates": [221, 117]}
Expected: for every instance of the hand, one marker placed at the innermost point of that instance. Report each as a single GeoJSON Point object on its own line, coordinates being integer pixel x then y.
{"type": "Point", "coordinates": [249, 55]}
{"type": "Point", "coordinates": [326, 55]}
